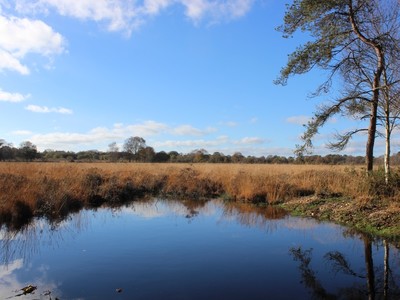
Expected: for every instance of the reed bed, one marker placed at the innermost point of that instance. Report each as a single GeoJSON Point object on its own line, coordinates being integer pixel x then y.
{"type": "Point", "coordinates": [55, 189]}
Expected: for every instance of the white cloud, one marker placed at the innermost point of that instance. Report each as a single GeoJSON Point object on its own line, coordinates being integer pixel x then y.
{"type": "Point", "coordinates": [127, 15]}
{"type": "Point", "coordinates": [190, 130]}
{"type": "Point", "coordinates": [249, 141]}
{"type": "Point", "coordinates": [45, 109]}
{"type": "Point", "coordinates": [119, 131]}
{"type": "Point", "coordinates": [12, 97]}
{"type": "Point", "coordinates": [195, 9]}
{"type": "Point", "coordinates": [216, 10]}
{"type": "Point", "coordinates": [100, 137]}
{"type": "Point", "coordinates": [147, 128]}
{"type": "Point", "coordinates": [189, 144]}
{"type": "Point", "coordinates": [21, 132]}
{"type": "Point", "coordinates": [61, 140]}
{"type": "Point", "coordinates": [212, 144]}
{"type": "Point", "coordinates": [153, 7]}
{"type": "Point", "coordinates": [118, 14]}
{"type": "Point", "coordinates": [21, 36]}
{"type": "Point", "coordinates": [9, 62]}
{"type": "Point", "coordinates": [298, 120]}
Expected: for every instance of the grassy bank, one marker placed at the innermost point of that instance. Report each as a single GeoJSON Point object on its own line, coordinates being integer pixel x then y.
{"type": "Point", "coordinates": [55, 189]}
{"type": "Point", "coordinates": [377, 217]}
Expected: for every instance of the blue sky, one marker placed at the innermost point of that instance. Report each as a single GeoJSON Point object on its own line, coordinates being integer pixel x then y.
{"type": "Point", "coordinates": [182, 74]}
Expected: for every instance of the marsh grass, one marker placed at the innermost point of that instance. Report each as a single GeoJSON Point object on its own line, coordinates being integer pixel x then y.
{"type": "Point", "coordinates": [53, 190]}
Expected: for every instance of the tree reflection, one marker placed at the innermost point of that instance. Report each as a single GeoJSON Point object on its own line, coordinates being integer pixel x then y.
{"type": "Point", "coordinates": [309, 278]}
{"type": "Point", "coordinates": [252, 215]}
{"type": "Point", "coordinates": [25, 241]}
{"type": "Point", "coordinates": [380, 281]}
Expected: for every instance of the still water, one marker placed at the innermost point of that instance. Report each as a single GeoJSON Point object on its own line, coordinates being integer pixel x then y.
{"type": "Point", "coordinates": [163, 249]}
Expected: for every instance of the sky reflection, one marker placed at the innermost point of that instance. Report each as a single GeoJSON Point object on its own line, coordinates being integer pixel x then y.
{"type": "Point", "coordinates": [159, 249]}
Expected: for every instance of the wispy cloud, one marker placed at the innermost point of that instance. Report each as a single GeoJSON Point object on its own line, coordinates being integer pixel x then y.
{"type": "Point", "coordinates": [128, 15]}
{"type": "Point", "coordinates": [197, 10]}
{"type": "Point", "coordinates": [45, 109]}
{"type": "Point", "coordinates": [254, 120]}
{"type": "Point", "coordinates": [189, 144]}
{"type": "Point", "coordinates": [9, 62]}
{"type": "Point", "coordinates": [158, 135]}
{"type": "Point", "coordinates": [119, 15]}
{"type": "Point", "coordinates": [21, 132]}
{"type": "Point", "coordinates": [229, 124]}
{"type": "Point", "coordinates": [298, 120]}
{"type": "Point", "coordinates": [147, 128]}
{"type": "Point", "coordinates": [118, 132]}
{"type": "Point", "coordinates": [216, 144]}
{"type": "Point", "coordinates": [191, 131]}
{"type": "Point", "coordinates": [22, 36]}
{"type": "Point", "coordinates": [12, 97]}
{"type": "Point", "coordinates": [98, 135]}
{"type": "Point", "coordinates": [250, 141]}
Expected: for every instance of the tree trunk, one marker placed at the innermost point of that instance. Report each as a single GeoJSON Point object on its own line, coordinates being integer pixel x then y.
{"type": "Point", "coordinates": [369, 154]}
{"type": "Point", "coordinates": [387, 154]}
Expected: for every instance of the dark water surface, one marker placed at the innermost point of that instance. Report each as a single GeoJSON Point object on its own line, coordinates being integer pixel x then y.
{"type": "Point", "coordinates": [161, 249]}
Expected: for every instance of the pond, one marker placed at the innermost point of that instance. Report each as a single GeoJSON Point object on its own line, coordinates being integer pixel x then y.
{"type": "Point", "coordinates": [165, 249]}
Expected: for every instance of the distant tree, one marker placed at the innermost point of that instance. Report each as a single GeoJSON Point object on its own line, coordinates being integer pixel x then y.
{"type": "Point", "coordinates": [90, 155]}
{"type": "Point", "coordinates": [146, 154]}
{"type": "Point", "coordinates": [161, 156]}
{"type": "Point", "coordinates": [113, 151]}
{"type": "Point", "coordinates": [250, 159]}
{"type": "Point", "coordinates": [199, 155]}
{"type": "Point", "coordinates": [237, 157]}
{"type": "Point", "coordinates": [50, 154]}
{"type": "Point", "coordinates": [7, 152]}
{"type": "Point", "coordinates": [113, 147]}
{"type": "Point", "coordinates": [261, 160]}
{"type": "Point", "coordinates": [3, 145]}
{"type": "Point", "coordinates": [27, 151]}
{"type": "Point", "coordinates": [173, 156]}
{"type": "Point", "coordinates": [132, 146]}
{"type": "Point", "coordinates": [216, 157]}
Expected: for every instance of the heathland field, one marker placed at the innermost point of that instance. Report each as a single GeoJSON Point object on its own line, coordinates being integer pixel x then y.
{"type": "Point", "coordinates": [339, 193]}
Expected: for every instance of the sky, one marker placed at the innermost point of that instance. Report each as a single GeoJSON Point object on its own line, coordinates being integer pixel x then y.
{"type": "Point", "coordinates": [182, 74]}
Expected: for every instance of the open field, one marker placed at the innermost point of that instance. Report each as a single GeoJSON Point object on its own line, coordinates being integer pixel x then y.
{"type": "Point", "coordinates": [55, 189]}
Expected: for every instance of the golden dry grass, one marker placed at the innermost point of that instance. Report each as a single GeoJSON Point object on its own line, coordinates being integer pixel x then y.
{"type": "Point", "coordinates": [54, 190]}
{"type": "Point", "coordinates": [275, 182]}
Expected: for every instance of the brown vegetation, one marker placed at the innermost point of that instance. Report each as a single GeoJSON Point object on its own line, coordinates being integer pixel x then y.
{"type": "Point", "coordinates": [55, 189]}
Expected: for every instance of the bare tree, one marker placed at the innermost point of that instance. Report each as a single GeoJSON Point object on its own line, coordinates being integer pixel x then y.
{"type": "Point", "coordinates": [113, 151]}
{"type": "Point", "coordinates": [132, 146]}
{"type": "Point", "coordinates": [344, 33]}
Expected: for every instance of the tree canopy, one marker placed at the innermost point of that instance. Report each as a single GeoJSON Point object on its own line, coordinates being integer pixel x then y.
{"type": "Point", "coordinates": [351, 39]}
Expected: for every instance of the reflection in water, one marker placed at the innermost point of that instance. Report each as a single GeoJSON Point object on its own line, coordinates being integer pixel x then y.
{"type": "Point", "coordinates": [158, 249]}
{"type": "Point", "coordinates": [27, 241]}
{"type": "Point", "coordinates": [19, 246]}
{"type": "Point", "coordinates": [379, 281]}
{"type": "Point", "coordinates": [309, 278]}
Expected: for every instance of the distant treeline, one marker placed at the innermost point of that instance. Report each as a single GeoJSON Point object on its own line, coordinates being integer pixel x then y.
{"type": "Point", "coordinates": [28, 152]}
